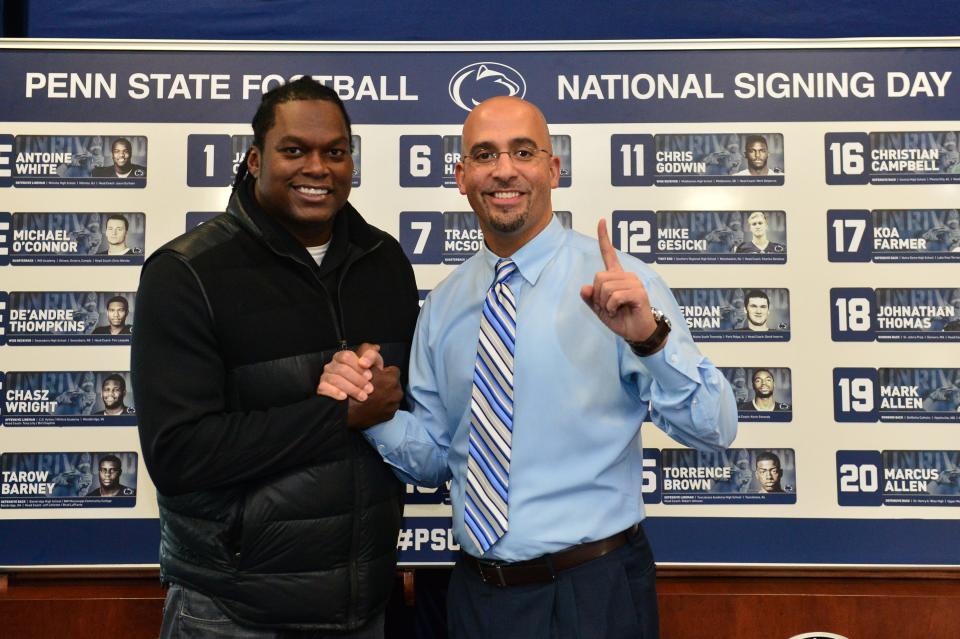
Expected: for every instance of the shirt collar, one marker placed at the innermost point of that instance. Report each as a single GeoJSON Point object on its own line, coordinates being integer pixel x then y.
{"type": "Point", "coordinates": [533, 256]}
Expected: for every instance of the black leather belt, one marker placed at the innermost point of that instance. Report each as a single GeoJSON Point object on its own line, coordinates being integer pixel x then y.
{"type": "Point", "coordinates": [544, 569]}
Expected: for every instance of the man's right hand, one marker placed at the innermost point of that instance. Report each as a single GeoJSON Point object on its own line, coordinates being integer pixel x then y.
{"type": "Point", "coordinates": [380, 404]}
{"type": "Point", "coordinates": [349, 373]}
{"type": "Point", "coordinates": [373, 391]}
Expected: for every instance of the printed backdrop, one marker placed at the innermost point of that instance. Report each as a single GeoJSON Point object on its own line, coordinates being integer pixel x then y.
{"type": "Point", "coordinates": [801, 200]}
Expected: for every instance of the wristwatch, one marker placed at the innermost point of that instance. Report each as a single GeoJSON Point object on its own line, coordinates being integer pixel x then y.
{"type": "Point", "coordinates": [653, 343]}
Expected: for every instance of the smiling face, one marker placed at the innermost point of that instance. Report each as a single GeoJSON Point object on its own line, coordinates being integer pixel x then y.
{"type": "Point", "coordinates": [121, 155]}
{"type": "Point", "coordinates": [763, 384]}
{"type": "Point", "coordinates": [304, 169]}
{"type": "Point", "coordinates": [112, 395]}
{"type": "Point", "coordinates": [511, 198]}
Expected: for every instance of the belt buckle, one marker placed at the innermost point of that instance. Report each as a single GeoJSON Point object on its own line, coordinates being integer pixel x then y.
{"type": "Point", "coordinates": [500, 582]}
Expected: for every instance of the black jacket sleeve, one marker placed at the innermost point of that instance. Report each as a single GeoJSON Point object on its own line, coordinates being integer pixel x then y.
{"type": "Point", "coordinates": [190, 441]}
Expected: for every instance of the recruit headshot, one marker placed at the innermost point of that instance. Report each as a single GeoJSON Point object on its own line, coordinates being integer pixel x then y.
{"type": "Point", "coordinates": [758, 158]}
{"type": "Point", "coordinates": [115, 231]}
{"type": "Point", "coordinates": [757, 305]}
{"type": "Point", "coordinates": [123, 167]}
{"type": "Point", "coordinates": [759, 242]}
{"type": "Point", "coordinates": [109, 473]}
{"type": "Point", "coordinates": [117, 311]}
{"type": "Point", "coordinates": [769, 472]}
{"type": "Point", "coordinates": [113, 393]}
{"type": "Point", "coordinates": [764, 390]}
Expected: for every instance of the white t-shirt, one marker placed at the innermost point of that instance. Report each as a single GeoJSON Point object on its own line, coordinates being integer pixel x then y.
{"type": "Point", "coordinates": [317, 252]}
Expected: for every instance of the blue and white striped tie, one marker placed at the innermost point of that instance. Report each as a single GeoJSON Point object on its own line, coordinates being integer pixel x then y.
{"type": "Point", "coordinates": [491, 415]}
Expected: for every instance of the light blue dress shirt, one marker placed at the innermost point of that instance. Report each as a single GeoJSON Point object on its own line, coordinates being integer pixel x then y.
{"type": "Point", "coordinates": [580, 396]}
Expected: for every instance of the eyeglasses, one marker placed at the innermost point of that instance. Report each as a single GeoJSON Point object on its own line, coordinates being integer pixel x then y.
{"type": "Point", "coordinates": [519, 154]}
{"type": "Point", "coordinates": [769, 472]}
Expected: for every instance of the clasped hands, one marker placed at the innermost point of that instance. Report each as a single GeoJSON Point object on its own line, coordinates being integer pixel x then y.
{"type": "Point", "coordinates": [618, 298]}
{"type": "Point", "coordinates": [372, 390]}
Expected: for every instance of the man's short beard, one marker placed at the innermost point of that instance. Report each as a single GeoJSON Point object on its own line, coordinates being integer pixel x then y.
{"type": "Point", "coordinates": [509, 226]}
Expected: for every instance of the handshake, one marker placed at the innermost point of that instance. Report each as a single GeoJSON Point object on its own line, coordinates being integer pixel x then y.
{"type": "Point", "coordinates": [372, 391]}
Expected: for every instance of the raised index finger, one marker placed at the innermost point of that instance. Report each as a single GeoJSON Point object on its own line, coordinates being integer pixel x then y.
{"type": "Point", "coordinates": [609, 254]}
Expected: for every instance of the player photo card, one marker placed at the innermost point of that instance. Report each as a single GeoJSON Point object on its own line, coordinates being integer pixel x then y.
{"type": "Point", "coordinates": [736, 314]}
{"type": "Point", "coordinates": [921, 478]}
{"type": "Point", "coordinates": [763, 394]}
{"type": "Point", "coordinates": [76, 398]}
{"type": "Point", "coordinates": [69, 318]}
{"type": "Point", "coordinates": [919, 395]}
{"type": "Point", "coordinates": [896, 395]}
{"type": "Point", "coordinates": [732, 476]}
{"type": "Point", "coordinates": [892, 157]}
{"type": "Point", "coordinates": [710, 159]}
{"type": "Point", "coordinates": [78, 161]}
{"type": "Point", "coordinates": [916, 235]}
{"type": "Point", "coordinates": [721, 237]}
{"type": "Point", "coordinates": [898, 478]}
{"type": "Point", "coordinates": [60, 239]}
{"type": "Point", "coordinates": [894, 235]}
{"type": "Point", "coordinates": [914, 157]}
{"type": "Point", "coordinates": [68, 480]}
{"type": "Point", "coordinates": [451, 237]}
{"type": "Point", "coordinates": [453, 153]}
{"type": "Point", "coordinates": [918, 314]}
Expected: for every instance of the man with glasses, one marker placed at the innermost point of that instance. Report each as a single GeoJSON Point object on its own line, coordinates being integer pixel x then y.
{"type": "Point", "coordinates": [769, 472]}
{"type": "Point", "coordinates": [529, 394]}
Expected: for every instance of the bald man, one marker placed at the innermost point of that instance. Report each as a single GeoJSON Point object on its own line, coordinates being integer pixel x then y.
{"type": "Point", "coordinates": [534, 413]}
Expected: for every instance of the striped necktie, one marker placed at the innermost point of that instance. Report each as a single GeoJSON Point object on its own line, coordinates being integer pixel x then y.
{"type": "Point", "coordinates": [491, 415]}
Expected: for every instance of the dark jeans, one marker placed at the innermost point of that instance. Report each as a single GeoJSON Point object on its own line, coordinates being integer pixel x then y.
{"type": "Point", "coordinates": [188, 614]}
{"type": "Point", "coordinates": [612, 597]}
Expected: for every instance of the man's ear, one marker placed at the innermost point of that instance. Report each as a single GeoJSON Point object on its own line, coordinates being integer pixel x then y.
{"type": "Point", "coordinates": [458, 174]}
{"type": "Point", "coordinates": [253, 162]}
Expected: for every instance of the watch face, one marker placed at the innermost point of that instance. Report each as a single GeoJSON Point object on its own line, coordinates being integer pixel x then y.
{"type": "Point", "coordinates": [657, 315]}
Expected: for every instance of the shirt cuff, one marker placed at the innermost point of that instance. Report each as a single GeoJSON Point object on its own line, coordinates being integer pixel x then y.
{"type": "Point", "coordinates": [386, 437]}
{"type": "Point", "coordinates": [673, 365]}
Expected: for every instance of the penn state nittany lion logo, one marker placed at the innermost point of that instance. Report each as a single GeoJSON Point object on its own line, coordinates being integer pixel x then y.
{"type": "Point", "coordinates": [476, 82]}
